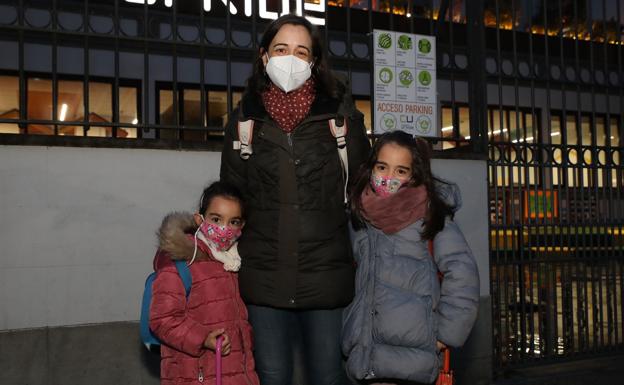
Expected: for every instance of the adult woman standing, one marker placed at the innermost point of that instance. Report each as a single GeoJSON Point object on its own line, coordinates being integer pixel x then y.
{"type": "Point", "coordinates": [297, 268]}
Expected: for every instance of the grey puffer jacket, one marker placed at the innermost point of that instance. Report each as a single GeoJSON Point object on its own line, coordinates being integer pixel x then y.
{"type": "Point", "coordinates": [400, 310]}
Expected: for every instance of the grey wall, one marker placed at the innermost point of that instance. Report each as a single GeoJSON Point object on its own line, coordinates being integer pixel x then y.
{"type": "Point", "coordinates": [77, 228]}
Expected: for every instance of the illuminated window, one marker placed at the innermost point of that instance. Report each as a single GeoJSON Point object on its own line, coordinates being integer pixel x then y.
{"type": "Point", "coordinates": [9, 103]}
{"type": "Point", "coordinates": [364, 106]}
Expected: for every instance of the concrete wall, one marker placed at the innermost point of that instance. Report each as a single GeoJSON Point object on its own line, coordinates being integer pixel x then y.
{"type": "Point", "coordinates": [77, 233]}
{"type": "Point", "coordinates": [77, 228]}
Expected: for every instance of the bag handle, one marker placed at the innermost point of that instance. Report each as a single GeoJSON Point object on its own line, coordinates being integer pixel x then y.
{"type": "Point", "coordinates": [218, 360]}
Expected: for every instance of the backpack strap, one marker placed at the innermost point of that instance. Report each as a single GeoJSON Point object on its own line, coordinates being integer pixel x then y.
{"type": "Point", "coordinates": [340, 133]}
{"type": "Point", "coordinates": [185, 275]}
{"type": "Point", "coordinates": [245, 137]}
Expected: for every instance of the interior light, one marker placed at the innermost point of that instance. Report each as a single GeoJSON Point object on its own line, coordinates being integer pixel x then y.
{"type": "Point", "coordinates": [447, 128]}
{"type": "Point", "coordinates": [63, 112]}
{"type": "Point", "coordinates": [555, 133]}
{"type": "Point", "coordinates": [135, 121]}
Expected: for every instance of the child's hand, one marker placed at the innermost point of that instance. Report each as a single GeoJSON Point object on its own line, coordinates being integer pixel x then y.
{"type": "Point", "coordinates": [211, 341]}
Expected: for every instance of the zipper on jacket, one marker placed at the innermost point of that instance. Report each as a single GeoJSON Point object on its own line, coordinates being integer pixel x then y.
{"type": "Point", "coordinates": [240, 332]}
{"type": "Point", "coordinates": [290, 141]}
{"type": "Point", "coordinates": [200, 378]}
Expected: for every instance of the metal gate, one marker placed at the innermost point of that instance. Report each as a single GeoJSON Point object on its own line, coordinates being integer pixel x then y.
{"type": "Point", "coordinates": [555, 176]}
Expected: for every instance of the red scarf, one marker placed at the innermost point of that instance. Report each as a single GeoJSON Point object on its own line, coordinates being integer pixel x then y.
{"type": "Point", "coordinates": [289, 109]}
{"type": "Point", "coordinates": [397, 211]}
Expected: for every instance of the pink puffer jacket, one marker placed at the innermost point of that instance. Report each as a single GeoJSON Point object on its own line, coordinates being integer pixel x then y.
{"type": "Point", "coordinates": [182, 324]}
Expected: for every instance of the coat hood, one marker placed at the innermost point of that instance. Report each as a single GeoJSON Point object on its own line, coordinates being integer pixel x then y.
{"type": "Point", "coordinates": [450, 194]}
{"type": "Point", "coordinates": [175, 237]}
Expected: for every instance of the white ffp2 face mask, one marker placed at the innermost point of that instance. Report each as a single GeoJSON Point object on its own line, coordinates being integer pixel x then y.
{"type": "Point", "coordinates": [288, 72]}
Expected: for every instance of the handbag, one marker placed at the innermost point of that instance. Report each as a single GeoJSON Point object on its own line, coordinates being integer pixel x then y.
{"type": "Point", "coordinates": [445, 377]}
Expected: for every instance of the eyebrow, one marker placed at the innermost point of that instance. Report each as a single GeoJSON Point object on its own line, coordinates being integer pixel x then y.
{"type": "Point", "coordinates": [215, 214]}
{"type": "Point", "coordinates": [299, 46]}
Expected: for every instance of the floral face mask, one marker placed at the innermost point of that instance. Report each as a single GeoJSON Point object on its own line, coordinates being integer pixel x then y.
{"type": "Point", "coordinates": [385, 186]}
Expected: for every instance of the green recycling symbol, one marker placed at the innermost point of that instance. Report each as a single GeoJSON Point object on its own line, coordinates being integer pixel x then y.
{"type": "Point", "coordinates": [424, 46]}
{"type": "Point", "coordinates": [385, 75]}
{"type": "Point", "coordinates": [424, 77]}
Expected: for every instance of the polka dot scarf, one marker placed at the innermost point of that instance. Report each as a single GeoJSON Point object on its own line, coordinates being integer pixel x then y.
{"type": "Point", "coordinates": [289, 109]}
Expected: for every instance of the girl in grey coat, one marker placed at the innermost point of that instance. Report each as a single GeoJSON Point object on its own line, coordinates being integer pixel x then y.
{"type": "Point", "coordinates": [402, 316]}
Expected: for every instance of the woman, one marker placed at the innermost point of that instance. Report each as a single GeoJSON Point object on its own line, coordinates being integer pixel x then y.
{"type": "Point", "coordinates": [298, 271]}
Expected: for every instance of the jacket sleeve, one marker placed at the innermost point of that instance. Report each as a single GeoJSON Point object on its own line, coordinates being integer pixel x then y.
{"type": "Point", "coordinates": [233, 168]}
{"type": "Point", "coordinates": [358, 145]}
{"type": "Point", "coordinates": [459, 292]}
{"type": "Point", "coordinates": [168, 317]}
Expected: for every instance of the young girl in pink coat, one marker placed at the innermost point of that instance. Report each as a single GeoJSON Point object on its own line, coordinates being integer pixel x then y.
{"type": "Point", "coordinates": [189, 327]}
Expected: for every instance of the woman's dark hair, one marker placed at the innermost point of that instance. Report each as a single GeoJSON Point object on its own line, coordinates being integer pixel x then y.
{"type": "Point", "coordinates": [325, 82]}
{"type": "Point", "coordinates": [220, 189]}
{"type": "Point", "coordinates": [421, 174]}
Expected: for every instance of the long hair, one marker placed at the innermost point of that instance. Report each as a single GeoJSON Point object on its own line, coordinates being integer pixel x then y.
{"type": "Point", "coordinates": [420, 150]}
{"type": "Point", "coordinates": [324, 80]}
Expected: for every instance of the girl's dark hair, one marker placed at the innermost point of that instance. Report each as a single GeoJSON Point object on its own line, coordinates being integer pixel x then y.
{"type": "Point", "coordinates": [421, 174]}
{"type": "Point", "coordinates": [220, 189]}
{"type": "Point", "coordinates": [324, 80]}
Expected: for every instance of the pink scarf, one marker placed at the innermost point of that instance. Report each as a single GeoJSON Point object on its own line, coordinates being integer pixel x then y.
{"type": "Point", "coordinates": [394, 213]}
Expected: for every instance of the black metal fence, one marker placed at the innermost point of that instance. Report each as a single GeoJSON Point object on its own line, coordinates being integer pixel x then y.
{"type": "Point", "coordinates": [535, 86]}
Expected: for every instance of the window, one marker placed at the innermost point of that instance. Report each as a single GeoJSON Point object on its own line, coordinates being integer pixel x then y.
{"type": "Point", "coordinates": [9, 104]}
{"type": "Point", "coordinates": [68, 118]}
{"type": "Point", "coordinates": [189, 112]}
{"type": "Point", "coordinates": [455, 126]}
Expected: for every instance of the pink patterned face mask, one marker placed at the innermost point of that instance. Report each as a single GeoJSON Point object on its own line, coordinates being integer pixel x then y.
{"type": "Point", "coordinates": [223, 237]}
{"type": "Point", "coordinates": [385, 186]}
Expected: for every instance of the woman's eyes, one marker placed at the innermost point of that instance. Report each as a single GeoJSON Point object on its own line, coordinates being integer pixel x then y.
{"type": "Point", "coordinates": [302, 54]}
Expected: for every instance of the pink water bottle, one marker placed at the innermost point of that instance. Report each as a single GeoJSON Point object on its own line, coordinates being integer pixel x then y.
{"type": "Point", "coordinates": [218, 359]}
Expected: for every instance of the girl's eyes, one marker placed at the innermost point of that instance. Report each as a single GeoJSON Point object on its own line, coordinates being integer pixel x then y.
{"type": "Point", "coordinates": [402, 172]}
{"type": "Point", "coordinates": [236, 222]}
{"type": "Point", "coordinates": [215, 219]}
{"type": "Point", "coordinates": [380, 167]}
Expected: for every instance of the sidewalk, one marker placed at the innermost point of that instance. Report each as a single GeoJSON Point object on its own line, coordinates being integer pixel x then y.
{"type": "Point", "coordinates": [594, 371]}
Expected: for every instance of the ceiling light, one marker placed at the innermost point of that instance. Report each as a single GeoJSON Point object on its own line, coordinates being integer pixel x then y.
{"type": "Point", "coordinates": [63, 112]}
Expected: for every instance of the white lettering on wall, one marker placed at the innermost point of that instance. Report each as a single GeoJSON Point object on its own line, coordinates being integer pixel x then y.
{"type": "Point", "coordinates": [264, 13]}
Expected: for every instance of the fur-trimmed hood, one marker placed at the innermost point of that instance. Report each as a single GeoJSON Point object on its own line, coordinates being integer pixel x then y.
{"type": "Point", "coordinates": [175, 236]}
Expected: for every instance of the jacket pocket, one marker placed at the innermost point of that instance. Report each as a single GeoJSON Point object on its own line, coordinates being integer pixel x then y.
{"type": "Point", "coordinates": [402, 318]}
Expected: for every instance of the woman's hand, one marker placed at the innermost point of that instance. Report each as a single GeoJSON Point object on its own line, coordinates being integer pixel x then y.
{"type": "Point", "coordinates": [440, 346]}
{"type": "Point", "coordinates": [211, 341]}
